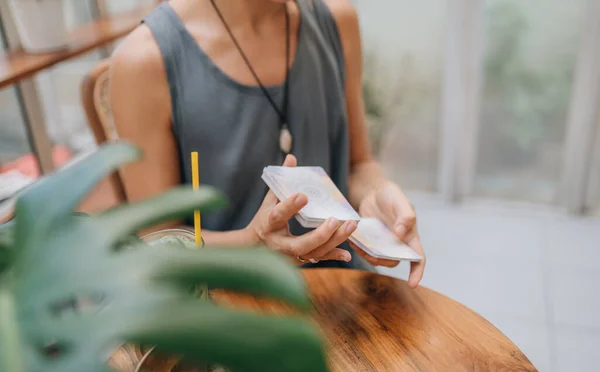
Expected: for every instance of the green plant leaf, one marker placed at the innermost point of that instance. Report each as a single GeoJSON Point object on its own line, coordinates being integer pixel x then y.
{"type": "Point", "coordinates": [68, 297]}
{"type": "Point", "coordinates": [6, 243]}
{"type": "Point", "coordinates": [176, 203]}
{"type": "Point", "coordinates": [7, 231]}
{"type": "Point", "coordinates": [209, 334]}
{"type": "Point", "coordinates": [51, 199]}
{"type": "Point", "coordinates": [254, 271]}
{"type": "Point", "coordinates": [11, 357]}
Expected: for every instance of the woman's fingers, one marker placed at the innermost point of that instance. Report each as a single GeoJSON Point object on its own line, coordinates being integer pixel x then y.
{"type": "Point", "coordinates": [279, 217]}
{"type": "Point", "coordinates": [336, 254]}
{"type": "Point", "coordinates": [282, 212]}
{"type": "Point", "coordinates": [416, 268]}
{"type": "Point", "coordinates": [340, 236]}
{"type": "Point", "coordinates": [374, 261]}
{"type": "Point", "coordinates": [319, 237]}
{"type": "Point", "coordinates": [290, 161]}
{"type": "Point", "coordinates": [396, 210]}
{"type": "Point", "coordinates": [320, 244]}
{"type": "Point", "coordinates": [270, 200]}
{"type": "Point", "coordinates": [299, 246]}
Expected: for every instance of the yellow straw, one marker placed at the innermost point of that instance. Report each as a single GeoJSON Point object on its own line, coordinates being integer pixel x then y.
{"type": "Point", "coordinates": [197, 223]}
{"type": "Point", "coordinates": [196, 186]}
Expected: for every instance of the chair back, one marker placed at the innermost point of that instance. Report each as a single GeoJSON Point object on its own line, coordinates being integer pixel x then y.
{"type": "Point", "coordinates": [96, 103]}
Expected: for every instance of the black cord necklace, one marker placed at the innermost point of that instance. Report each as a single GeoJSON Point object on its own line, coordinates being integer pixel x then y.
{"type": "Point", "coordinates": [285, 136]}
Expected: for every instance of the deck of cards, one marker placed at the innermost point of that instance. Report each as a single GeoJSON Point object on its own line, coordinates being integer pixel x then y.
{"type": "Point", "coordinates": [374, 237]}
{"type": "Point", "coordinates": [325, 200]}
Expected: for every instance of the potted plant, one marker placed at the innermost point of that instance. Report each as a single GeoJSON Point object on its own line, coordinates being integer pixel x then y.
{"type": "Point", "coordinates": [40, 24]}
{"type": "Point", "coordinates": [73, 289]}
{"type": "Point", "coordinates": [381, 96]}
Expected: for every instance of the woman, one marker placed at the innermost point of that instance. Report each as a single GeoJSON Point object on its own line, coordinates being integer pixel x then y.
{"type": "Point", "coordinates": [244, 82]}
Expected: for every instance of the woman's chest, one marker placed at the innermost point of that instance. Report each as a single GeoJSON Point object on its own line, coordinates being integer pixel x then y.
{"type": "Point", "coordinates": [251, 55]}
{"type": "Point", "coordinates": [237, 126]}
{"type": "Point", "coordinates": [223, 119]}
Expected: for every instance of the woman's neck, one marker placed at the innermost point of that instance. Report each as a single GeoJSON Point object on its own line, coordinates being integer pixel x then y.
{"type": "Point", "coordinates": [246, 14]}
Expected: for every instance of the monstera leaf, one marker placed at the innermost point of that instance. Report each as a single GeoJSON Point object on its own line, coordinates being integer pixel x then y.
{"type": "Point", "coordinates": [70, 295]}
{"type": "Point", "coordinates": [6, 239]}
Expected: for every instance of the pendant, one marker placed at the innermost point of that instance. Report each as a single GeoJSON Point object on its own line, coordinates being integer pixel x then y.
{"type": "Point", "coordinates": [285, 140]}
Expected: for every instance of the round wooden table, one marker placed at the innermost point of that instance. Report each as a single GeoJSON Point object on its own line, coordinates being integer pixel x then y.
{"type": "Point", "coordinates": [373, 322]}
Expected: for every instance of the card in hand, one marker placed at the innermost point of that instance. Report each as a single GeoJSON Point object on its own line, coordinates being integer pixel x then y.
{"type": "Point", "coordinates": [325, 200]}
{"type": "Point", "coordinates": [374, 237]}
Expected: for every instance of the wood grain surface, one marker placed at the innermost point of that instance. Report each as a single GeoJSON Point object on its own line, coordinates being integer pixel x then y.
{"type": "Point", "coordinates": [373, 322]}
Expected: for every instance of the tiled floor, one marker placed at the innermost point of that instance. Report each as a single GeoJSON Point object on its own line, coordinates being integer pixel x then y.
{"type": "Point", "coordinates": [535, 274]}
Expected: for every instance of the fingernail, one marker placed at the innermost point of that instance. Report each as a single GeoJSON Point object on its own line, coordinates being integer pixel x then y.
{"type": "Point", "coordinates": [333, 223]}
{"type": "Point", "coordinates": [347, 257]}
{"type": "Point", "coordinates": [300, 200]}
{"type": "Point", "coordinates": [400, 228]}
{"type": "Point", "coordinates": [351, 227]}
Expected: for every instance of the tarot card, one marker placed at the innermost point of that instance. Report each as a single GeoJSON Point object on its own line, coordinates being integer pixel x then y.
{"type": "Point", "coordinates": [325, 200]}
{"type": "Point", "coordinates": [374, 237]}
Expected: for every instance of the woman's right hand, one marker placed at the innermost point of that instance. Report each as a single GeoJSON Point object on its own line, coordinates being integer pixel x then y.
{"type": "Point", "coordinates": [270, 226]}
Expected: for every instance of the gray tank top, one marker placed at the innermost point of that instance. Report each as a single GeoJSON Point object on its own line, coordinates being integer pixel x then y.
{"type": "Point", "coordinates": [234, 128]}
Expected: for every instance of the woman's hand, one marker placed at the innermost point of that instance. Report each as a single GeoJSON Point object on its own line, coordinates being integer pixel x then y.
{"type": "Point", "coordinates": [389, 204]}
{"type": "Point", "coordinates": [270, 226]}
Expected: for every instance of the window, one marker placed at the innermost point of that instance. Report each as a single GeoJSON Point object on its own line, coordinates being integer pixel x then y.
{"type": "Point", "coordinates": [60, 86]}
{"type": "Point", "coordinates": [593, 201]}
{"type": "Point", "coordinates": [56, 91]}
{"type": "Point", "coordinates": [531, 51]}
{"type": "Point", "coordinates": [403, 59]}
{"type": "Point", "coordinates": [13, 136]}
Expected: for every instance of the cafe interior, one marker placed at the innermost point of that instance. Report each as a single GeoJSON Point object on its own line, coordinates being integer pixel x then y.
{"type": "Point", "coordinates": [485, 112]}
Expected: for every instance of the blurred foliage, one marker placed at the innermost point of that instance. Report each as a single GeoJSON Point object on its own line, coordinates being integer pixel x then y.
{"type": "Point", "coordinates": [375, 108]}
{"type": "Point", "coordinates": [525, 103]}
{"type": "Point", "coordinates": [373, 105]}
{"type": "Point", "coordinates": [71, 293]}
{"type": "Point", "coordinates": [522, 105]}
{"type": "Point", "coordinates": [392, 97]}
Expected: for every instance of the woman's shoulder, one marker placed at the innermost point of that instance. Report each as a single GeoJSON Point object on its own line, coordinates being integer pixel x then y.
{"type": "Point", "coordinates": [139, 51]}
{"type": "Point", "coordinates": [342, 11]}
{"type": "Point", "coordinates": [347, 30]}
{"type": "Point", "coordinates": [339, 18]}
{"type": "Point", "coordinates": [137, 73]}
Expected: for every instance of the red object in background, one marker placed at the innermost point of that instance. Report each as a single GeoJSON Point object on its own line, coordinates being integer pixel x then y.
{"type": "Point", "coordinates": [28, 165]}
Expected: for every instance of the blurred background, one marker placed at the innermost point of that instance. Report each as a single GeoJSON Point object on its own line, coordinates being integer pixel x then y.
{"type": "Point", "coordinates": [485, 111]}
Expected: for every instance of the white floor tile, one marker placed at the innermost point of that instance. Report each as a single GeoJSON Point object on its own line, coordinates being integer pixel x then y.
{"type": "Point", "coordinates": [573, 241]}
{"type": "Point", "coordinates": [505, 287]}
{"type": "Point", "coordinates": [464, 233]}
{"type": "Point", "coordinates": [574, 295]}
{"type": "Point", "coordinates": [577, 349]}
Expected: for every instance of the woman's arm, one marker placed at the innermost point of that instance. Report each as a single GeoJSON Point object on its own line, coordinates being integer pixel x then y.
{"type": "Point", "coordinates": [366, 173]}
{"type": "Point", "coordinates": [370, 191]}
{"type": "Point", "coordinates": [141, 106]}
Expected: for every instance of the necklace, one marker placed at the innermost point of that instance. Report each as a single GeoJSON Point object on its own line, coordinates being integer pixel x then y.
{"type": "Point", "coordinates": [285, 136]}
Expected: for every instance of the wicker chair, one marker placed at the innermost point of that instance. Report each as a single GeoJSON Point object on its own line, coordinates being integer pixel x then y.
{"type": "Point", "coordinates": [95, 99]}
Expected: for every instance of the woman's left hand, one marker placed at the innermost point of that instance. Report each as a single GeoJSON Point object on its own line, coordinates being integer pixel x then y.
{"type": "Point", "coordinates": [389, 204]}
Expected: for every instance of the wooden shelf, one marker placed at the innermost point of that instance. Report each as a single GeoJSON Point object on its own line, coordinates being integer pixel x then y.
{"type": "Point", "coordinates": [16, 65]}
